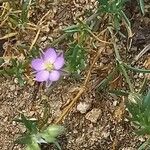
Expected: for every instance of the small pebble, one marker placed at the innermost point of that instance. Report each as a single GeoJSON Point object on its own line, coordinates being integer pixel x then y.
{"type": "Point", "coordinates": [106, 134]}
{"type": "Point", "coordinates": [83, 107]}
{"type": "Point", "coordinates": [93, 115]}
{"type": "Point", "coordinates": [12, 88]}
{"type": "Point", "coordinates": [141, 75]}
{"type": "Point", "coordinates": [115, 103]}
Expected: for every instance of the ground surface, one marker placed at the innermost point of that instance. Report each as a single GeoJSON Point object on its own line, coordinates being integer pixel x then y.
{"type": "Point", "coordinates": [99, 121]}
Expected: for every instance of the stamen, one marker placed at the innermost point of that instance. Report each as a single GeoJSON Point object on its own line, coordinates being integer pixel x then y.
{"type": "Point", "coordinates": [48, 66]}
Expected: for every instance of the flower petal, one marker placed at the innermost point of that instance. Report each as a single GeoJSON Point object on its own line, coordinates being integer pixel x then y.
{"type": "Point", "coordinates": [42, 76]}
{"type": "Point", "coordinates": [50, 55]}
{"type": "Point", "coordinates": [59, 62]}
{"type": "Point", "coordinates": [37, 64]}
{"type": "Point", "coordinates": [54, 75]}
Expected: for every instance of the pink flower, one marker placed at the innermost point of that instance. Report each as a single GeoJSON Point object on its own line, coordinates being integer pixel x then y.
{"type": "Point", "coordinates": [47, 68]}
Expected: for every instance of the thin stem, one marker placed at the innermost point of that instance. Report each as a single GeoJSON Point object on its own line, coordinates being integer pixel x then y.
{"type": "Point", "coordinates": [65, 35]}
{"type": "Point", "coordinates": [118, 58]}
{"type": "Point", "coordinates": [143, 87]}
{"type": "Point", "coordinates": [136, 69]}
{"type": "Point", "coordinates": [81, 91]}
{"type": "Point", "coordinates": [126, 76]}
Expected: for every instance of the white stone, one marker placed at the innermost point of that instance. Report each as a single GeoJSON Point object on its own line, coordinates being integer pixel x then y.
{"type": "Point", "coordinates": [82, 107]}
{"type": "Point", "coordinates": [93, 115]}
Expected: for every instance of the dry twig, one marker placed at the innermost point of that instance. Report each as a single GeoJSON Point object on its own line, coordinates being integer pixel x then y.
{"type": "Point", "coordinates": [81, 91]}
{"type": "Point", "coordinates": [145, 50]}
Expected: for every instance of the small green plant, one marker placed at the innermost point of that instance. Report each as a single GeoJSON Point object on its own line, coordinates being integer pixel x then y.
{"type": "Point", "coordinates": [33, 137]}
{"type": "Point", "coordinates": [19, 19]}
{"type": "Point", "coordinates": [48, 66]}
{"type": "Point", "coordinates": [115, 9]}
{"type": "Point", "coordinates": [16, 69]}
{"type": "Point", "coordinates": [76, 54]}
{"type": "Point", "coordinates": [139, 108]}
{"type": "Point", "coordinates": [76, 58]}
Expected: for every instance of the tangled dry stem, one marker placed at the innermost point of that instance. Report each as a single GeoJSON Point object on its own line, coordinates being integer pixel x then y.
{"type": "Point", "coordinates": [81, 91]}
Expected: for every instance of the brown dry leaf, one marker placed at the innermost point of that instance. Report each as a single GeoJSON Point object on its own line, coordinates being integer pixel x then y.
{"type": "Point", "coordinates": [119, 112]}
{"type": "Point", "coordinates": [147, 63]}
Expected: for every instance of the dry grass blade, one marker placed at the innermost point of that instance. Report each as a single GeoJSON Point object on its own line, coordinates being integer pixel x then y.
{"type": "Point", "coordinates": [81, 91]}
{"type": "Point", "coordinates": [63, 36]}
{"type": "Point", "coordinates": [145, 50]}
{"type": "Point", "coordinates": [35, 39]}
{"type": "Point", "coordinates": [9, 35]}
{"type": "Point", "coordinates": [97, 38]}
{"type": "Point", "coordinates": [39, 30]}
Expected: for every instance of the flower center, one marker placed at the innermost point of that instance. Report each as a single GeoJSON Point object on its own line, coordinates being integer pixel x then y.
{"type": "Point", "coordinates": [48, 66]}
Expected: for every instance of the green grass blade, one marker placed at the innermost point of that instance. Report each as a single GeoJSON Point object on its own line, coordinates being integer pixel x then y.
{"type": "Point", "coordinates": [119, 92]}
{"type": "Point", "coordinates": [25, 9]}
{"type": "Point", "coordinates": [143, 86]}
{"type": "Point", "coordinates": [125, 18]}
{"type": "Point", "coordinates": [123, 71]}
{"type": "Point", "coordinates": [141, 2]}
{"type": "Point", "coordinates": [136, 69]}
{"type": "Point", "coordinates": [147, 100]}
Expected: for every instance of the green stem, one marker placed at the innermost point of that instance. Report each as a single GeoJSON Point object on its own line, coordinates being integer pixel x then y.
{"type": "Point", "coordinates": [143, 85]}
{"type": "Point", "coordinates": [114, 44]}
{"type": "Point", "coordinates": [136, 69]}
{"type": "Point", "coordinates": [118, 59]}
{"type": "Point", "coordinates": [65, 35]}
{"type": "Point", "coordinates": [126, 76]}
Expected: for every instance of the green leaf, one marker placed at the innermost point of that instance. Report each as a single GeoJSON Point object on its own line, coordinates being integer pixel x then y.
{"type": "Point", "coordinates": [25, 9]}
{"type": "Point", "coordinates": [14, 19]}
{"type": "Point", "coordinates": [144, 145]}
{"type": "Point", "coordinates": [139, 106]}
{"type": "Point", "coordinates": [26, 139]}
{"type": "Point", "coordinates": [48, 138]}
{"type": "Point", "coordinates": [33, 146]}
{"type": "Point", "coordinates": [57, 144]}
{"type": "Point", "coordinates": [124, 72]}
{"type": "Point", "coordinates": [104, 5]}
{"type": "Point", "coordinates": [1, 61]}
{"type": "Point", "coordinates": [146, 101]}
{"type": "Point", "coordinates": [54, 130]}
{"type": "Point", "coordinates": [116, 22]}
{"type": "Point", "coordinates": [73, 27]}
{"type": "Point", "coordinates": [29, 124]}
{"type": "Point", "coordinates": [75, 58]}
{"type": "Point", "coordinates": [143, 131]}
{"type": "Point", "coordinates": [50, 134]}
{"type": "Point", "coordinates": [73, 31]}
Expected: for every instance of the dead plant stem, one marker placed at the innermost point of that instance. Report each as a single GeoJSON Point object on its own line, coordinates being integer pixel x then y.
{"type": "Point", "coordinates": [63, 36]}
{"type": "Point", "coordinates": [35, 39]}
{"type": "Point", "coordinates": [81, 91]}
{"type": "Point", "coordinates": [97, 38]}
